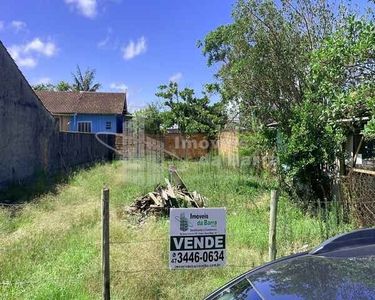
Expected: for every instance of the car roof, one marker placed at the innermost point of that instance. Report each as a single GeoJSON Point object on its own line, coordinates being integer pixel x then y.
{"type": "Point", "coordinates": [340, 268]}
{"type": "Point", "coordinates": [318, 277]}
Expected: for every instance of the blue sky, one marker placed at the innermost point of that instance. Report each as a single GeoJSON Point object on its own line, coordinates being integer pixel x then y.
{"type": "Point", "coordinates": [138, 44]}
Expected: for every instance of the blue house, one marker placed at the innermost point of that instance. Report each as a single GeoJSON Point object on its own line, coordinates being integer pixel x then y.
{"type": "Point", "coordinates": [89, 112]}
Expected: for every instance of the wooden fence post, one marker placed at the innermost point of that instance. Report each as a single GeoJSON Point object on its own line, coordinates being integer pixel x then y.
{"type": "Point", "coordinates": [272, 233]}
{"type": "Point", "coordinates": [105, 244]}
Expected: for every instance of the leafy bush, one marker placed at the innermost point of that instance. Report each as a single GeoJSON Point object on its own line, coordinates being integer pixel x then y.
{"type": "Point", "coordinates": [307, 73]}
{"type": "Point", "coordinates": [151, 119]}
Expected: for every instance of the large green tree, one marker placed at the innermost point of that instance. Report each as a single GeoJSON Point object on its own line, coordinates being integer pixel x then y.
{"type": "Point", "coordinates": [342, 72]}
{"type": "Point", "coordinates": [85, 82]}
{"type": "Point", "coordinates": [340, 91]}
{"type": "Point", "coordinates": [150, 119]}
{"type": "Point", "coordinates": [264, 54]}
{"type": "Point", "coordinates": [192, 114]}
{"type": "Point", "coordinates": [63, 86]}
{"type": "Point", "coordinates": [43, 87]}
{"type": "Point", "coordinates": [303, 66]}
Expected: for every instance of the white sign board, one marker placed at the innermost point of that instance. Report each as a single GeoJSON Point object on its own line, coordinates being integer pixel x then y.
{"type": "Point", "coordinates": [197, 238]}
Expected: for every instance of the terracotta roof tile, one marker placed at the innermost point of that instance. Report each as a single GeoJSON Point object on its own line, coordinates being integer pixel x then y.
{"type": "Point", "coordinates": [83, 102]}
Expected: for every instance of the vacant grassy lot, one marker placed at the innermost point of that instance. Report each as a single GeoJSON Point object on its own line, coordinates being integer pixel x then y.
{"type": "Point", "coordinates": [50, 248]}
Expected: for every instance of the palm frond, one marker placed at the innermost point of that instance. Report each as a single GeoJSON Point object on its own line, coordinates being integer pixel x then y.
{"type": "Point", "coordinates": [85, 82]}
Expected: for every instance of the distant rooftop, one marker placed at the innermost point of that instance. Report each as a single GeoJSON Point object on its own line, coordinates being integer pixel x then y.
{"type": "Point", "coordinates": [83, 102]}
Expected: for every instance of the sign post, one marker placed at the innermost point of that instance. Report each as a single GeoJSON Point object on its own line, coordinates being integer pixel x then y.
{"type": "Point", "coordinates": [197, 238]}
{"type": "Point", "coordinates": [105, 245]}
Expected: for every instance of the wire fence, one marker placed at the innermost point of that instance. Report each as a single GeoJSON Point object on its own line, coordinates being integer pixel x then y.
{"type": "Point", "coordinates": [98, 273]}
{"type": "Point", "coordinates": [357, 201]}
{"type": "Point", "coordinates": [53, 279]}
{"type": "Point", "coordinates": [358, 197]}
{"type": "Point", "coordinates": [117, 271]}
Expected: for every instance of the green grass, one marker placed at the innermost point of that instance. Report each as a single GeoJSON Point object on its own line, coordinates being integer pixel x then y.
{"type": "Point", "coordinates": [53, 243]}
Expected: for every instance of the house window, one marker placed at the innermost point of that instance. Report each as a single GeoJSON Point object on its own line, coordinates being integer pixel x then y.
{"type": "Point", "coordinates": [108, 125]}
{"type": "Point", "coordinates": [84, 126]}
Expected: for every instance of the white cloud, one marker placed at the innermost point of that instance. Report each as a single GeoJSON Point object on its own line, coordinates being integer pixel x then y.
{"type": "Point", "coordinates": [176, 77]}
{"type": "Point", "coordinates": [43, 80]}
{"type": "Point", "coordinates": [26, 55]}
{"type": "Point", "coordinates": [132, 49]}
{"type": "Point", "coordinates": [26, 62]}
{"type": "Point", "coordinates": [20, 58]}
{"type": "Point", "coordinates": [1, 25]}
{"type": "Point", "coordinates": [18, 25]}
{"type": "Point", "coordinates": [88, 8]}
{"type": "Point", "coordinates": [47, 48]}
{"type": "Point", "coordinates": [119, 86]}
{"type": "Point", "coordinates": [108, 43]}
{"type": "Point", "coordinates": [104, 43]}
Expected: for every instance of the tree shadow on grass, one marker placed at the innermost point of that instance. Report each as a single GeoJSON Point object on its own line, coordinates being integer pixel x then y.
{"type": "Point", "coordinates": [39, 185]}
{"type": "Point", "coordinates": [25, 192]}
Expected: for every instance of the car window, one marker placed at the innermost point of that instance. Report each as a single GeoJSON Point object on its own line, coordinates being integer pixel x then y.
{"type": "Point", "coordinates": [242, 290]}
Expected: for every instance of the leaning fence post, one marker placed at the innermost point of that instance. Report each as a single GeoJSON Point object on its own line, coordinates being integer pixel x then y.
{"type": "Point", "coordinates": [272, 233]}
{"type": "Point", "coordinates": [105, 244]}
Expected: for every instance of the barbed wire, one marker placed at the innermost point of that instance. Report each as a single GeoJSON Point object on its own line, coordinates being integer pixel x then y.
{"type": "Point", "coordinates": [55, 279]}
{"type": "Point", "coordinates": [5, 249]}
{"type": "Point", "coordinates": [140, 271]}
{"type": "Point", "coordinates": [114, 242]}
{"type": "Point", "coordinates": [83, 275]}
{"type": "Point", "coordinates": [167, 269]}
{"type": "Point", "coordinates": [141, 241]}
{"type": "Point", "coordinates": [228, 235]}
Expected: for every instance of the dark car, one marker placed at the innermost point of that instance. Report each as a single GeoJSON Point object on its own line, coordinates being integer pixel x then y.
{"type": "Point", "coordinates": [340, 268]}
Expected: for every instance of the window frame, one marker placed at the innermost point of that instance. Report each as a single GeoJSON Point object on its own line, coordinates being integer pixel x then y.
{"type": "Point", "coordinates": [84, 122]}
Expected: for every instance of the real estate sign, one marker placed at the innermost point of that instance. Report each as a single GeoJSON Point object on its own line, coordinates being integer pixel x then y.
{"type": "Point", "coordinates": [197, 238]}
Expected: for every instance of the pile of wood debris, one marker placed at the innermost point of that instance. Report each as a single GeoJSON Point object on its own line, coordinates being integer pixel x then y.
{"type": "Point", "coordinates": [158, 202]}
